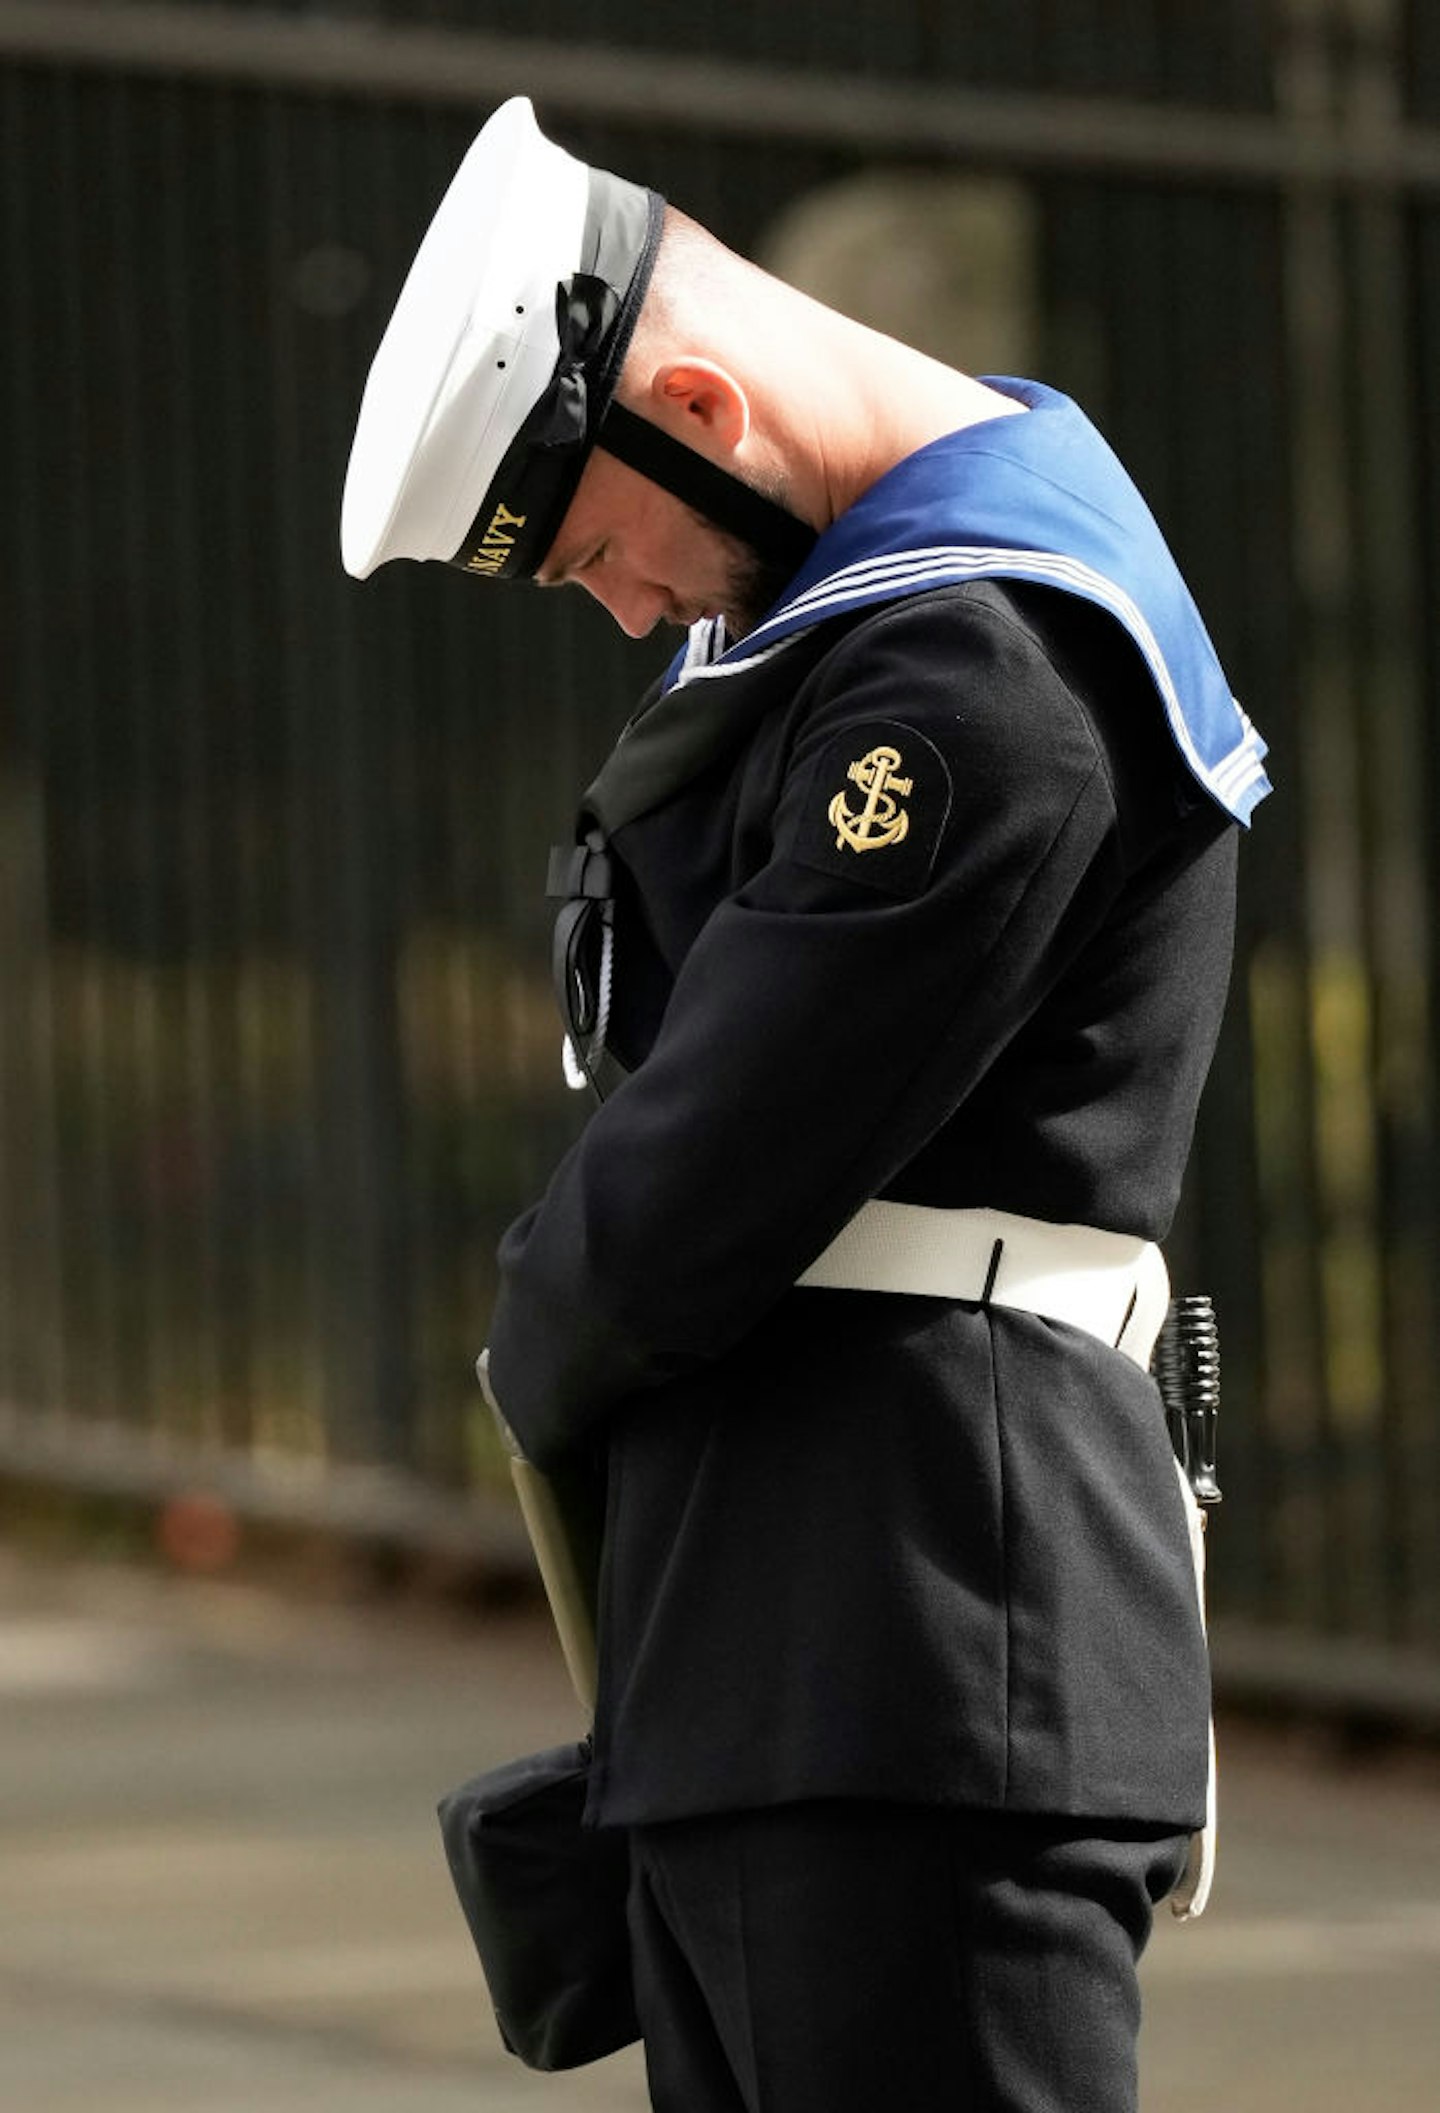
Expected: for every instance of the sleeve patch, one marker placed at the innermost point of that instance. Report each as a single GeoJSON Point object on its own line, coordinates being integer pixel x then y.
{"type": "Point", "coordinates": [876, 803]}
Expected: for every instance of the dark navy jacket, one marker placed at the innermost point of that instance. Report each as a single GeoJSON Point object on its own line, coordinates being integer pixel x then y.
{"type": "Point", "coordinates": [866, 1545]}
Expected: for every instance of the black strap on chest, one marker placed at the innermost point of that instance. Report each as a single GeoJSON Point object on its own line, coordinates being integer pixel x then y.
{"type": "Point", "coordinates": [581, 879]}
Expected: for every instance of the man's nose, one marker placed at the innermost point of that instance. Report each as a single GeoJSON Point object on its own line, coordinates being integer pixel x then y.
{"type": "Point", "coordinates": [636, 605]}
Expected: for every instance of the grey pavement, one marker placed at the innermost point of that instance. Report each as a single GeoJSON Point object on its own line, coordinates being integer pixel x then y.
{"type": "Point", "coordinates": [221, 1887]}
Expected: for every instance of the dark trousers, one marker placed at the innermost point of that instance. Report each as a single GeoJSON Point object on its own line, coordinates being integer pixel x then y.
{"type": "Point", "coordinates": [857, 1958]}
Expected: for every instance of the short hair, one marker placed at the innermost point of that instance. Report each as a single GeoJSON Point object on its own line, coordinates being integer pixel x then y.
{"type": "Point", "coordinates": [695, 280]}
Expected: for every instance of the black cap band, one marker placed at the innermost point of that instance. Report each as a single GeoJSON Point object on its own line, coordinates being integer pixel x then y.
{"type": "Point", "coordinates": [596, 313]}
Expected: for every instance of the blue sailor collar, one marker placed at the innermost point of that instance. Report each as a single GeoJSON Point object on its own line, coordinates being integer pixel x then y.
{"type": "Point", "coordinates": [1039, 498]}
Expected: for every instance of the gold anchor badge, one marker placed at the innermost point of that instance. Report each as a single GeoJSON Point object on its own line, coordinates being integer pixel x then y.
{"type": "Point", "coordinates": [882, 820]}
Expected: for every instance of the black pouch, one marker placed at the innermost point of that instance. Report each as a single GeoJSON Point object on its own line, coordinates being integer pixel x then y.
{"type": "Point", "coordinates": [545, 1900]}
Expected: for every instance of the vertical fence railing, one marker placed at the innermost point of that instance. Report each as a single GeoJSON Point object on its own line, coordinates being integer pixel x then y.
{"type": "Point", "coordinates": [276, 1053]}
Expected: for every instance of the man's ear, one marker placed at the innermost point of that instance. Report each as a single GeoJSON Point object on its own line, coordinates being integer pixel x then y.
{"type": "Point", "coordinates": [701, 404]}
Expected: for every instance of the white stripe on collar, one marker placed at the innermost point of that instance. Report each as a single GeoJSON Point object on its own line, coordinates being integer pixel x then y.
{"type": "Point", "coordinates": [874, 580]}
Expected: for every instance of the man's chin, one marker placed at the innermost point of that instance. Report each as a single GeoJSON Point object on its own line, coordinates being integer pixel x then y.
{"type": "Point", "coordinates": [745, 611]}
{"type": "Point", "coordinates": [765, 585]}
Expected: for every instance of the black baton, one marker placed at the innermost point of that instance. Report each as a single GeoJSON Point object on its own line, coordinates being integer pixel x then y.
{"type": "Point", "coordinates": [1187, 1370]}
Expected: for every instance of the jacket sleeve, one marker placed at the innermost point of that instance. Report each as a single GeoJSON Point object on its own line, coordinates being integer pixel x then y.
{"type": "Point", "coordinates": [829, 1018]}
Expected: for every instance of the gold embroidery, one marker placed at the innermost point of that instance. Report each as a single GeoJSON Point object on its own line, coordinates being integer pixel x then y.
{"type": "Point", "coordinates": [493, 551]}
{"type": "Point", "coordinates": [882, 820]}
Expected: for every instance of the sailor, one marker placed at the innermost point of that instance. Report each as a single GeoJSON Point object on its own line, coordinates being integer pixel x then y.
{"type": "Point", "coordinates": [897, 937]}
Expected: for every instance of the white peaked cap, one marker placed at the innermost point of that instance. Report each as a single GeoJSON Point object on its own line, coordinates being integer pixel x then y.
{"type": "Point", "coordinates": [470, 349]}
{"type": "Point", "coordinates": [499, 368]}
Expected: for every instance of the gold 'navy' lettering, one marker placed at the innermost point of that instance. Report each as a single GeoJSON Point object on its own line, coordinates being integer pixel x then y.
{"type": "Point", "coordinates": [490, 554]}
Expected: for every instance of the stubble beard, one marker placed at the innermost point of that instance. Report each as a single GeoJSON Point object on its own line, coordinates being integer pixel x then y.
{"type": "Point", "coordinates": [755, 584]}
{"type": "Point", "coordinates": [752, 583]}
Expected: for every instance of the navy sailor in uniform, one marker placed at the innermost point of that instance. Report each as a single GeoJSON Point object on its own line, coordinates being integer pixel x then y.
{"type": "Point", "coordinates": [896, 942]}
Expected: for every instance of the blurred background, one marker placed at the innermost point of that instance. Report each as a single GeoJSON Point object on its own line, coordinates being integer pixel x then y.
{"type": "Point", "coordinates": [277, 1054]}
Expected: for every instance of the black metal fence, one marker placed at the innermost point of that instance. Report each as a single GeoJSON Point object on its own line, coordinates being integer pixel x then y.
{"type": "Point", "coordinates": [276, 1052]}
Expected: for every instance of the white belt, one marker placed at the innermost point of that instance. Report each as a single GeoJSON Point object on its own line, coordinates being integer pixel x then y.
{"type": "Point", "coordinates": [1113, 1285]}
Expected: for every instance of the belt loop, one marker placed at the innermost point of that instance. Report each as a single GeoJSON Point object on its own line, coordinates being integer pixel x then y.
{"type": "Point", "coordinates": [992, 1272]}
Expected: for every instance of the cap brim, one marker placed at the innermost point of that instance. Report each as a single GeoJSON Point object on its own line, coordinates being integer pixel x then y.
{"type": "Point", "coordinates": [469, 348]}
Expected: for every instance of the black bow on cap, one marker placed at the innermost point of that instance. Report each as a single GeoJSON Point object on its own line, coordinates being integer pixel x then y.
{"type": "Point", "coordinates": [585, 312]}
